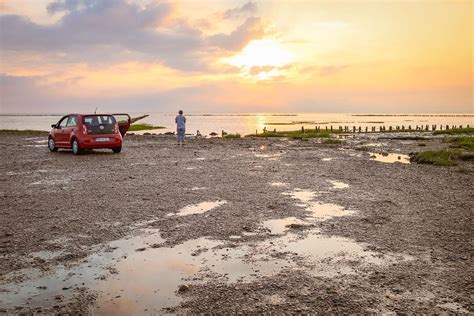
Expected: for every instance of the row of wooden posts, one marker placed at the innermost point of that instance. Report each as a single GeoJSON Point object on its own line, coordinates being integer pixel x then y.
{"type": "Point", "coordinates": [374, 129]}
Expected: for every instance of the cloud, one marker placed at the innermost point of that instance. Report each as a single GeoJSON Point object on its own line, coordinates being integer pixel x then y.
{"type": "Point", "coordinates": [252, 28]}
{"type": "Point", "coordinates": [248, 8]}
{"type": "Point", "coordinates": [99, 30]}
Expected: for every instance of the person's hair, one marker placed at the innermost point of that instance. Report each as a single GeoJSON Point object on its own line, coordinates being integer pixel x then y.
{"type": "Point", "coordinates": [180, 112]}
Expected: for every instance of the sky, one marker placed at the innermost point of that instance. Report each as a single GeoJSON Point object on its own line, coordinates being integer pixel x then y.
{"type": "Point", "coordinates": [59, 56]}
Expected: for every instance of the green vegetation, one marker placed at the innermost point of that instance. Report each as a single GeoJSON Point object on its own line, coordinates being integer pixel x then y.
{"type": "Point", "coordinates": [143, 127]}
{"type": "Point", "coordinates": [436, 157]}
{"type": "Point", "coordinates": [232, 136]}
{"type": "Point", "coordinates": [466, 142]}
{"type": "Point", "coordinates": [462, 169]}
{"type": "Point", "coordinates": [299, 134]}
{"type": "Point", "coordinates": [445, 157]}
{"type": "Point", "coordinates": [23, 132]}
{"type": "Point", "coordinates": [453, 131]}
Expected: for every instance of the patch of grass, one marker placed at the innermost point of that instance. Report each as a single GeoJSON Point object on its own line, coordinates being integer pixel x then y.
{"type": "Point", "coordinates": [143, 127]}
{"type": "Point", "coordinates": [437, 157]}
{"type": "Point", "coordinates": [466, 142]}
{"type": "Point", "coordinates": [330, 141]}
{"type": "Point", "coordinates": [232, 136]}
{"type": "Point", "coordinates": [309, 133]}
{"type": "Point", "coordinates": [22, 132]}
{"type": "Point", "coordinates": [462, 169]}
{"type": "Point", "coordinates": [453, 131]}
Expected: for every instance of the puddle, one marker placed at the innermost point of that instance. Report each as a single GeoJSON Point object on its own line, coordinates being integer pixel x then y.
{"type": "Point", "coordinates": [190, 168]}
{"type": "Point", "coordinates": [279, 226]}
{"type": "Point", "coordinates": [338, 185]}
{"type": "Point", "coordinates": [135, 274]}
{"type": "Point", "coordinates": [327, 159]}
{"type": "Point", "coordinates": [200, 158]}
{"type": "Point", "coordinates": [198, 208]}
{"type": "Point", "coordinates": [278, 184]}
{"type": "Point", "coordinates": [304, 196]}
{"type": "Point", "coordinates": [329, 256]}
{"type": "Point", "coordinates": [390, 158]}
{"type": "Point", "coordinates": [319, 211]}
{"type": "Point", "coordinates": [198, 188]}
{"type": "Point", "coordinates": [43, 141]}
{"type": "Point", "coordinates": [325, 211]}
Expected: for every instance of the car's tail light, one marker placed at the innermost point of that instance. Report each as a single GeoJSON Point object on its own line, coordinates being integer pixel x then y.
{"type": "Point", "coordinates": [116, 128]}
{"type": "Point", "coordinates": [84, 129]}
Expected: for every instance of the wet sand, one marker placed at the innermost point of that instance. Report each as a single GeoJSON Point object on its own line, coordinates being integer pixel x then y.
{"type": "Point", "coordinates": [231, 226]}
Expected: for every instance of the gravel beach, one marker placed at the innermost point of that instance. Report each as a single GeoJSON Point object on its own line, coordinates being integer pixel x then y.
{"type": "Point", "coordinates": [249, 225]}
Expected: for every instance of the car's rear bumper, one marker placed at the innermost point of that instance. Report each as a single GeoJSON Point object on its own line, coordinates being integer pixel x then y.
{"type": "Point", "coordinates": [97, 141]}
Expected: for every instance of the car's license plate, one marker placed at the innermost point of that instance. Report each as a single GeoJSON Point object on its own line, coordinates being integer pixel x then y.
{"type": "Point", "coordinates": [103, 139]}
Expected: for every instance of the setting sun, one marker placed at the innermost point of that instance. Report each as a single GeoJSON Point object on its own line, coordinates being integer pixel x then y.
{"type": "Point", "coordinates": [262, 59]}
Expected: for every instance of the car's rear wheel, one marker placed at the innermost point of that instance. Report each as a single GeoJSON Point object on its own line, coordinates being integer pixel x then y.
{"type": "Point", "coordinates": [52, 145]}
{"type": "Point", "coordinates": [76, 149]}
{"type": "Point", "coordinates": [116, 150]}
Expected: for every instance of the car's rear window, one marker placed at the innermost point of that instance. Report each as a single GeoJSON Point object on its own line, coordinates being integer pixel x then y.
{"type": "Point", "coordinates": [99, 120]}
{"type": "Point", "coordinates": [99, 124]}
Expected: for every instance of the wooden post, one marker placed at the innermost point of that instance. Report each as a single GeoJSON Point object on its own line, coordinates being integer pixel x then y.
{"type": "Point", "coordinates": [331, 128]}
{"type": "Point", "coordinates": [354, 129]}
{"type": "Point", "coordinates": [447, 127]}
{"type": "Point", "coordinates": [302, 129]}
{"type": "Point", "coordinates": [366, 129]}
{"type": "Point", "coordinates": [256, 132]}
{"type": "Point", "coordinates": [274, 130]}
{"type": "Point", "coordinates": [390, 128]}
{"type": "Point", "coordinates": [222, 133]}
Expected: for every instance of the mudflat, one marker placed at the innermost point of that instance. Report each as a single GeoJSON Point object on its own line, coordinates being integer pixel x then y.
{"type": "Point", "coordinates": [245, 225]}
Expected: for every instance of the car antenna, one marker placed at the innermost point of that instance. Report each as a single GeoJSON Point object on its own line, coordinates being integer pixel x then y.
{"type": "Point", "coordinates": [95, 112]}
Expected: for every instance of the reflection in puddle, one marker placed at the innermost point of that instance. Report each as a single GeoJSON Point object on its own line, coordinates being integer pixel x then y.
{"type": "Point", "coordinates": [141, 274]}
{"type": "Point", "coordinates": [302, 195]}
{"type": "Point", "coordinates": [199, 208]}
{"type": "Point", "coordinates": [200, 158]}
{"type": "Point", "coordinates": [330, 256]}
{"type": "Point", "coordinates": [278, 184]}
{"type": "Point", "coordinates": [325, 211]}
{"type": "Point", "coordinates": [327, 159]}
{"type": "Point", "coordinates": [319, 211]}
{"type": "Point", "coordinates": [198, 188]}
{"type": "Point", "coordinates": [338, 185]}
{"type": "Point", "coordinates": [390, 158]}
{"type": "Point", "coordinates": [279, 226]}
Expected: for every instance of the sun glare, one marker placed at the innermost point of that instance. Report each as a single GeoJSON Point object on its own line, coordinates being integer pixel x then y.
{"type": "Point", "coordinates": [262, 59]}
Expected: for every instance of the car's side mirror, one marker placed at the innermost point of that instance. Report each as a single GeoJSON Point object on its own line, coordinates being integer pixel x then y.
{"type": "Point", "coordinates": [53, 126]}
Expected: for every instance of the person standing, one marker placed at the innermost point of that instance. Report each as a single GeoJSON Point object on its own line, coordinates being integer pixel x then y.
{"type": "Point", "coordinates": [180, 127]}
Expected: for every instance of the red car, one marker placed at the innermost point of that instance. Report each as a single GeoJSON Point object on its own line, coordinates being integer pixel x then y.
{"type": "Point", "coordinates": [89, 131]}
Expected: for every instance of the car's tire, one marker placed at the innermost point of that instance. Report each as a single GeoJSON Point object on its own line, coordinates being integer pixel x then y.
{"type": "Point", "coordinates": [51, 145]}
{"type": "Point", "coordinates": [76, 149]}
{"type": "Point", "coordinates": [116, 150]}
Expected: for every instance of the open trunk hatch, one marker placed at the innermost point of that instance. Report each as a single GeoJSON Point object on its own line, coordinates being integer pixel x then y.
{"type": "Point", "coordinates": [123, 121]}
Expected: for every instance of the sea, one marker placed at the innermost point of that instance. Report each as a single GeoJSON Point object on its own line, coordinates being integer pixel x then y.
{"type": "Point", "coordinates": [250, 123]}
